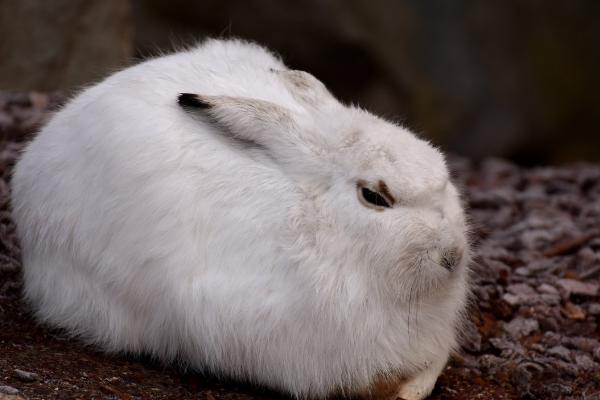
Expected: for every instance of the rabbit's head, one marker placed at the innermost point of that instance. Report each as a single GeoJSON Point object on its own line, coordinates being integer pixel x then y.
{"type": "Point", "coordinates": [376, 199]}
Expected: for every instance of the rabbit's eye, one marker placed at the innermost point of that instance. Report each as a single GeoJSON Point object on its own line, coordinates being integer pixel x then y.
{"type": "Point", "coordinates": [372, 199]}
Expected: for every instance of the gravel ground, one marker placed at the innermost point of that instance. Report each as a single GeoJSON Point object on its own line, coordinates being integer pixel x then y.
{"type": "Point", "coordinates": [533, 333]}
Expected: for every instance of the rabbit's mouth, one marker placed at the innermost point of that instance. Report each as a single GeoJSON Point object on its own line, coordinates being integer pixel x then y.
{"type": "Point", "coordinates": [430, 269]}
{"type": "Point", "coordinates": [440, 261]}
{"type": "Point", "coordinates": [435, 268]}
{"type": "Point", "coordinates": [450, 259]}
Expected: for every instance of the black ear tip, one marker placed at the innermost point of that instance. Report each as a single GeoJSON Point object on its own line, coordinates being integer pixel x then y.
{"type": "Point", "coordinates": [191, 100]}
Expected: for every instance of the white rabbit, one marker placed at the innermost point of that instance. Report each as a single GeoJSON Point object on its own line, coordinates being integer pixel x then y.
{"type": "Point", "coordinates": [253, 227]}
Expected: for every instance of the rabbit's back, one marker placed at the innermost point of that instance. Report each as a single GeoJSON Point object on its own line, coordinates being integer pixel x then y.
{"type": "Point", "coordinates": [122, 202]}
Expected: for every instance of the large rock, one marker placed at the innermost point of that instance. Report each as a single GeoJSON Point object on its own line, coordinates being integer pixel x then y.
{"type": "Point", "coordinates": [62, 44]}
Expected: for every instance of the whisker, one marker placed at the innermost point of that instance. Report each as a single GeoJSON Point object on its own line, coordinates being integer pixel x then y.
{"type": "Point", "coordinates": [409, 309]}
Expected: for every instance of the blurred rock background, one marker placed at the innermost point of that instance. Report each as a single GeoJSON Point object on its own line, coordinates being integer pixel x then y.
{"type": "Point", "coordinates": [512, 78]}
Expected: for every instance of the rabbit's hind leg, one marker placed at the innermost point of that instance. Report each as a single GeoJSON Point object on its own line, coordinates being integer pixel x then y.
{"type": "Point", "coordinates": [421, 385]}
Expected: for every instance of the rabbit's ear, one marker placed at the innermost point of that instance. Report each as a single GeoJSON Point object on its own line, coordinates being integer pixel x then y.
{"type": "Point", "coordinates": [256, 121]}
{"type": "Point", "coordinates": [305, 87]}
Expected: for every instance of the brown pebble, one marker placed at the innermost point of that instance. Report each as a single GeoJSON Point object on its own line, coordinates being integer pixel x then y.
{"type": "Point", "coordinates": [573, 311]}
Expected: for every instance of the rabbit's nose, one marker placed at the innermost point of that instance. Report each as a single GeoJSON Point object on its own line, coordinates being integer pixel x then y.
{"type": "Point", "coordinates": [450, 258]}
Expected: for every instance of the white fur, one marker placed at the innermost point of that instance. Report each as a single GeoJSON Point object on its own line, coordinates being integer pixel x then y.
{"type": "Point", "coordinates": [150, 228]}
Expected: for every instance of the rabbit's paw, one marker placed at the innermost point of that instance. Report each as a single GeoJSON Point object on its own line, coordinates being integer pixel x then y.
{"type": "Point", "coordinates": [420, 386]}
